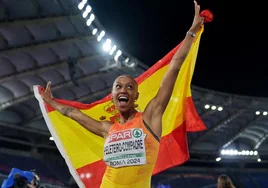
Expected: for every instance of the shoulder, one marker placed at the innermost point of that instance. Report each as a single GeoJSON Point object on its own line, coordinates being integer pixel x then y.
{"type": "Point", "coordinates": [107, 124]}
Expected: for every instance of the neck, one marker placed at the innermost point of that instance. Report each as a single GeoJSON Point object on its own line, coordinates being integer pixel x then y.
{"type": "Point", "coordinates": [126, 116]}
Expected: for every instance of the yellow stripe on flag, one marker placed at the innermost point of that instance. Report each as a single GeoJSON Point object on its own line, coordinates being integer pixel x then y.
{"type": "Point", "coordinates": [82, 146]}
{"type": "Point", "coordinates": [83, 150]}
{"type": "Point", "coordinates": [173, 116]}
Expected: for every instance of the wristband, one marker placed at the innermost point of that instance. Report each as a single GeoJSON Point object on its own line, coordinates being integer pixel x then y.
{"type": "Point", "coordinates": [191, 34]}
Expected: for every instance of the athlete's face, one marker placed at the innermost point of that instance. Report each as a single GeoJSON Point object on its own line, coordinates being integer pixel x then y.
{"type": "Point", "coordinates": [125, 92]}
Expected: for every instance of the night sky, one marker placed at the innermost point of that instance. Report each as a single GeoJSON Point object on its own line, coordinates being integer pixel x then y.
{"type": "Point", "coordinates": [232, 52]}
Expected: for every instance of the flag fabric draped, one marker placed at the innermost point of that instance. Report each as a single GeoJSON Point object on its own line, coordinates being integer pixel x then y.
{"type": "Point", "coordinates": [83, 151]}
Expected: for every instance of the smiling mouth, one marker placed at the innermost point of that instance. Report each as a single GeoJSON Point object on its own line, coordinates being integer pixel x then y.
{"type": "Point", "coordinates": [123, 99]}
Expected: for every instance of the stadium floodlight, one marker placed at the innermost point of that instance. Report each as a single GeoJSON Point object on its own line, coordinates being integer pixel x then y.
{"type": "Point", "coordinates": [117, 55]}
{"type": "Point", "coordinates": [99, 38]}
{"type": "Point", "coordinates": [218, 159]}
{"type": "Point", "coordinates": [92, 17]}
{"type": "Point", "coordinates": [90, 20]}
{"type": "Point", "coordinates": [102, 33]}
{"type": "Point", "coordinates": [84, 1]}
{"type": "Point", "coordinates": [259, 159]}
{"type": "Point", "coordinates": [81, 5]}
{"type": "Point", "coordinates": [107, 45]}
{"type": "Point", "coordinates": [119, 52]}
{"type": "Point", "coordinates": [257, 113]}
{"type": "Point", "coordinates": [51, 138]}
{"type": "Point", "coordinates": [87, 11]}
{"type": "Point", "coordinates": [132, 64]}
{"type": "Point", "coordinates": [112, 50]}
{"type": "Point", "coordinates": [265, 113]}
{"type": "Point", "coordinates": [94, 31]}
{"type": "Point", "coordinates": [213, 107]}
{"type": "Point", "coordinates": [236, 152]}
{"type": "Point", "coordinates": [220, 108]}
{"type": "Point", "coordinates": [88, 8]}
{"type": "Point", "coordinates": [207, 106]}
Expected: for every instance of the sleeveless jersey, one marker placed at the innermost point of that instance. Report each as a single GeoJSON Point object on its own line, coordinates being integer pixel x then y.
{"type": "Point", "coordinates": [130, 152]}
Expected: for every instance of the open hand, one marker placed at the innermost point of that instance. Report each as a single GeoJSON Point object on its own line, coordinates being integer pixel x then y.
{"type": "Point", "coordinates": [198, 20]}
{"type": "Point", "coordinates": [46, 94]}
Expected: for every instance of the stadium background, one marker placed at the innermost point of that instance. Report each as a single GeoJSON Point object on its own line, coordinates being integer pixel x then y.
{"type": "Point", "coordinates": [63, 41]}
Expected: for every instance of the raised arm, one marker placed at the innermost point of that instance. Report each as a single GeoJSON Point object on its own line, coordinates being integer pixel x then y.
{"type": "Point", "coordinates": [97, 127]}
{"type": "Point", "coordinates": [155, 109]}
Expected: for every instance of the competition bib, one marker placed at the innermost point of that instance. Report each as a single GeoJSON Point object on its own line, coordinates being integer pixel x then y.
{"type": "Point", "coordinates": [125, 148]}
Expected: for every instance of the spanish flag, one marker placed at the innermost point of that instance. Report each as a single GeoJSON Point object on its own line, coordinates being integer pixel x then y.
{"type": "Point", "coordinates": [83, 151]}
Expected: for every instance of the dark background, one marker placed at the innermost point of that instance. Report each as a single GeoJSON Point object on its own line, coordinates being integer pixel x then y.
{"type": "Point", "coordinates": [232, 52]}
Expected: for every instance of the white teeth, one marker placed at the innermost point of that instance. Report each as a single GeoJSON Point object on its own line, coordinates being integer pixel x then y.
{"type": "Point", "coordinates": [122, 97]}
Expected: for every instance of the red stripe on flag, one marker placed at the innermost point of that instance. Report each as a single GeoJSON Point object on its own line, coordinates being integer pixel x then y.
{"type": "Point", "coordinates": [92, 174]}
{"type": "Point", "coordinates": [192, 119]}
{"type": "Point", "coordinates": [173, 149]}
